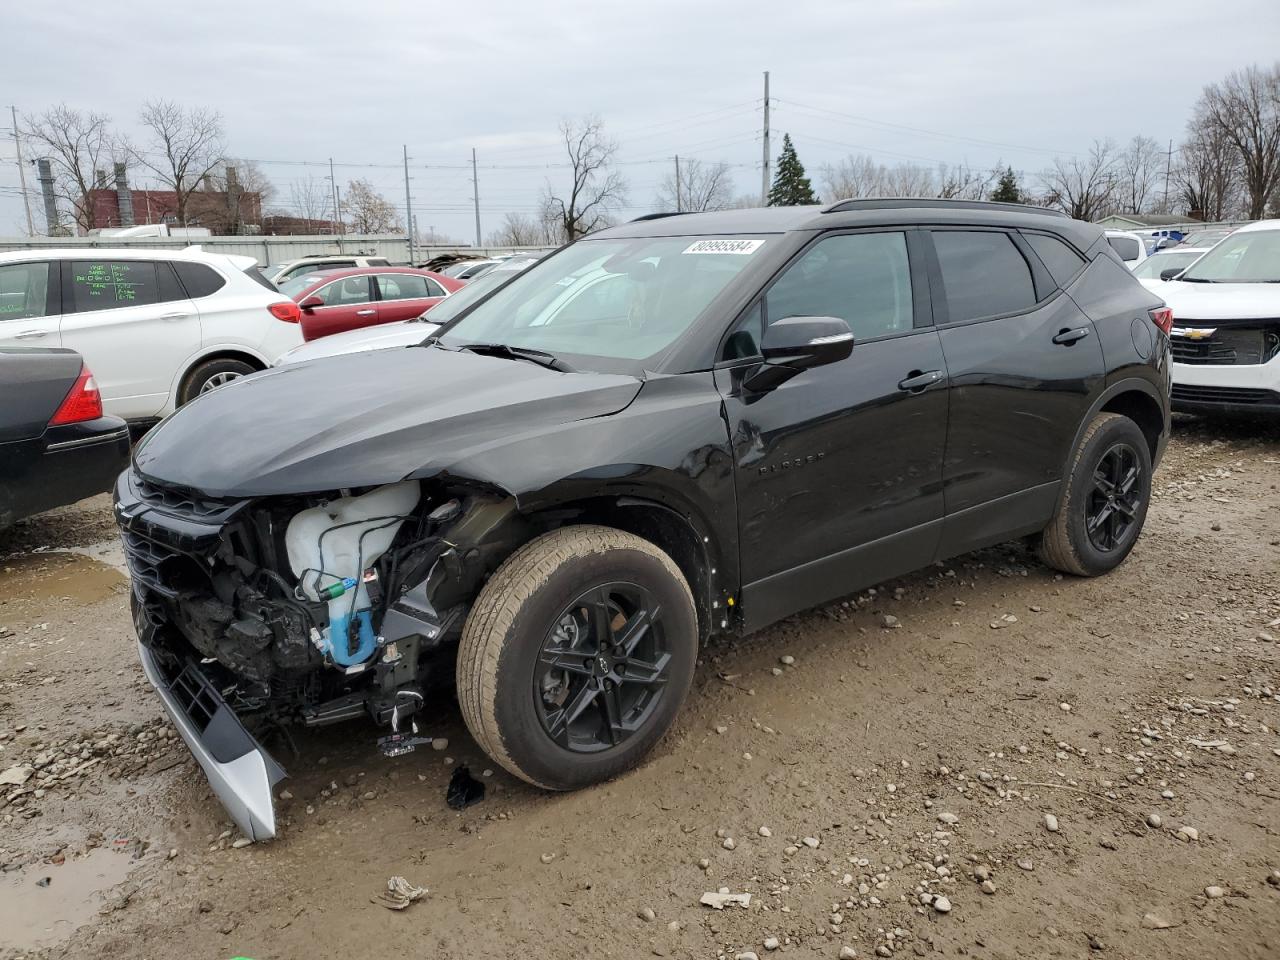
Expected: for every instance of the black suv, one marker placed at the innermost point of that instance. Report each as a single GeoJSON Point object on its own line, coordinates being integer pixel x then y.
{"type": "Point", "coordinates": [683, 426]}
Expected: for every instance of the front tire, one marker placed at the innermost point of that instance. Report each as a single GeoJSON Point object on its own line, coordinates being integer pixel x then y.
{"type": "Point", "coordinates": [1105, 502]}
{"type": "Point", "coordinates": [577, 656]}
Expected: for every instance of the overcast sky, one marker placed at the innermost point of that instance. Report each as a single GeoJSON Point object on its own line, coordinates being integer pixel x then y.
{"type": "Point", "coordinates": [979, 81]}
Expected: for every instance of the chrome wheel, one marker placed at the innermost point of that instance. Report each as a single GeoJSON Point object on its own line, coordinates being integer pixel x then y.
{"type": "Point", "coordinates": [220, 380]}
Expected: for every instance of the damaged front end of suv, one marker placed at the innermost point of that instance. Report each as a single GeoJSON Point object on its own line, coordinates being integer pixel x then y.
{"type": "Point", "coordinates": [300, 609]}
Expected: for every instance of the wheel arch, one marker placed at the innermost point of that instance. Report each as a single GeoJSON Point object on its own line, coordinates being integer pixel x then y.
{"type": "Point", "coordinates": [243, 354]}
{"type": "Point", "coordinates": [1137, 399]}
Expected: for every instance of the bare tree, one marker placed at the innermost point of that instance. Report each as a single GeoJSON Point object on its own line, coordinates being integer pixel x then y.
{"type": "Point", "coordinates": [702, 186]}
{"type": "Point", "coordinates": [183, 147]}
{"type": "Point", "coordinates": [1207, 178]}
{"type": "Point", "coordinates": [79, 145]}
{"type": "Point", "coordinates": [1140, 176]}
{"type": "Point", "coordinates": [1246, 108]}
{"type": "Point", "coordinates": [238, 192]}
{"type": "Point", "coordinates": [311, 199]}
{"type": "Point", "coordinates": [367, 211]}
{"type": "Point", "coordinates": [1083, 188]}
{"type": "Point", "coordinates": [595, 192]}
{"type": "Point", "coordinates": [518, 230]}
{"type": "Point", "coordinates": [854, 177]}
{"type": "Point", "coordinates": [962, 182]}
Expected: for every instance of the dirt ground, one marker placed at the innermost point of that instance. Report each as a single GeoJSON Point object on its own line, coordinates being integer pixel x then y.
{"type": "Point", "coordinates": [860, 771]}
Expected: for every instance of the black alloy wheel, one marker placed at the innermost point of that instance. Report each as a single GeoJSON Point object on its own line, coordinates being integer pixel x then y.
{"type": "Point", "coordinates": [603, 668]}
{"type": "Point", "coordinates": [1115, 498]}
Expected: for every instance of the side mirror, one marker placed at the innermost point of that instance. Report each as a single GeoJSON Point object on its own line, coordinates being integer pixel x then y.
{"type": "Point", "coordinates": [799, 343]}
{"type": "Point", "coordinates": [1171, 273]}
{"type": "Point", "coordinates": [310, 303]}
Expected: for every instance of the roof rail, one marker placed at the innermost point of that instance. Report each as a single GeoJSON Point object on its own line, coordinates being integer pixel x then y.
{"type": "Point", "coordinates": [659, 216]}
{"type": "Point", "coordinates": [903, 203]}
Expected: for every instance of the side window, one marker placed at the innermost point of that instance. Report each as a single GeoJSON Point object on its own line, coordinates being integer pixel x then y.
{"type": "Point", "coordinates": [983, 273]}
{"type": "Point", "coordinates": [434, 289]}
{"type": "Point", "coordinates": [863, 278]}
{"type": "Point", "coordinates": [402, 286]}
{"type": "Point", "coordinates": [24, 290]}
{"type": "Point", "coordinates": [346, 291]}
{"type": "Point", "coordinates": [167, 286]}
{"type": "Point", "coordinates": [199, 279]}
{"type": "Point", "coordinates": [1062, 262]}
{"type": "Point", "coordinates": [112, 284]}
{"type": "Point", "coordinates": [1127, 247]}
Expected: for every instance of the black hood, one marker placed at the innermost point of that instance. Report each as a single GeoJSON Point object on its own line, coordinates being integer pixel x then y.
{"type": "Point", "coordinates": [366, 419]}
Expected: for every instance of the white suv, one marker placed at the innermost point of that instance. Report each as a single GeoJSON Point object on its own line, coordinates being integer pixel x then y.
{"type": "Point", "coordinates": [1226, 325]}
{"type": "Point", "coordinates": [156, 327]}
{"type": "Point", "coordinates": [296, 268]}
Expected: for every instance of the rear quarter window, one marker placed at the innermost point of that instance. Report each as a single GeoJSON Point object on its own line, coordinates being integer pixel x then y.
{"type": "Point", "coordinates": [1062, 262]}
{"type": "Point", "coordinates": [1127, 247]}
{"type": "Point", "coordinates": [200, 280]}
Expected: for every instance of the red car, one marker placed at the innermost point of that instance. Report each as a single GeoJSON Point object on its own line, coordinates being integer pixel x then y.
{"type": "Point", "coordinates": [337, 300]}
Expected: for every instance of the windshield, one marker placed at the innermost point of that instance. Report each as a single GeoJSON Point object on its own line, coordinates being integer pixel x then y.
{"type": "Point", "coordinates": [608, 299]}
{"type": "Point", "coordinates": [1249, 256]}
{"type": "Point", "coordinates": [1152, 267]}
{"type": "Point", "coordinates": [476, 290]}
{"type": "Point", "coordinates": [1205, 238]}
{"type": "Point", "coordinates": [296, 284]}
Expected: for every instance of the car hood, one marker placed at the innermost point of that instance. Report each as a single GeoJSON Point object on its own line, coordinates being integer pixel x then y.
{"type": "Point", "coordinates": [366, 419]}
{"type": "Point", "coordinates": [1220, 301]}
{"type": "Point", "coordinates": [404, 334]}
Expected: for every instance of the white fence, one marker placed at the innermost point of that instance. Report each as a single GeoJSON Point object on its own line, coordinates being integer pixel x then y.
{"type": "Point", "coordinates": [267, 250]}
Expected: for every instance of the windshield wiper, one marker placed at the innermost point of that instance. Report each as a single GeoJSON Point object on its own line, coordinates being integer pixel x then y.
{"type": "Point", "coordinates": [540, 357]}
{"type": "Point", "coordinates": [1195, 280]}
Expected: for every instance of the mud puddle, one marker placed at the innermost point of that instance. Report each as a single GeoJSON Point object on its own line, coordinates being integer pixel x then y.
{"type": "Point", "coordinates": [64, 576]}
{"type": "Point", "coordinates": [42, 916]}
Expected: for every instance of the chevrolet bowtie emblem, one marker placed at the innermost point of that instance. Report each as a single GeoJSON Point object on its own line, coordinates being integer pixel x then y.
{"type": "Point", "coordinates": [1193, 333]}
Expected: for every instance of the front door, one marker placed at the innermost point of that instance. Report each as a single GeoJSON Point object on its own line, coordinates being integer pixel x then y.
{"type": "Point", "coordinates": [134, 326]}
{"type": "Point", "coordinates": [348, 303]}
{"type": "Point", "coordinates": [1024, 363]}
{"type": "Point", "coordinates": [839, 469]}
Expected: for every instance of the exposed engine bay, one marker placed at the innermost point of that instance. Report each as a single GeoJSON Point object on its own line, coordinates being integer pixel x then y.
{"type": "Point", "coordinates": [313, 609]}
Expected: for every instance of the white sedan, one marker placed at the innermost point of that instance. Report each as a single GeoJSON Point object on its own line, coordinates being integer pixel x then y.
{"type": "Point", "coordinates": [156, 327]}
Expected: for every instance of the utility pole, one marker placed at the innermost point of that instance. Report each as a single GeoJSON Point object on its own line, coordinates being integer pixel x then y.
{"type": "Point", "coordinates": [1168, 164]}
{"type": "Point", "coordinates": [408, 204]}
{"type": "Point", "coordinates": [333, 190]}
{"type": "Point", "coordinates": [764, 173]}
{"type": "Point", "coordinates": [678, 208]}
{"type": "Point", "coordinates": [22, 172]}
{"type": "Point", "coordinates": [475, 193]}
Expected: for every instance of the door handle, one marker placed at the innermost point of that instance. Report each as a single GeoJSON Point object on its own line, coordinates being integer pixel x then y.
{"type": "Point", "coordinates": [917, 381]}
{"type": "Point", "coordinates": [365, 313]}
{"type": "Point", "coordinates": [31, 335]}
{"type": "Point", "coordinates": [1067, 337]}
{"type": "Point", "coordinates": [174, 316]}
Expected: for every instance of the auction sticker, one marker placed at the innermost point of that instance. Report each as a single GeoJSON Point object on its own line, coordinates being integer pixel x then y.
{"type": "Point", "coordinates": [739, 247]}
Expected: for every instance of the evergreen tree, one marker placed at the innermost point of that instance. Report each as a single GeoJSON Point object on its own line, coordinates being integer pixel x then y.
{"type": "Point", "coordinates": [1007, 189]}
{"type": "Point", "coordinates": [790, 186]}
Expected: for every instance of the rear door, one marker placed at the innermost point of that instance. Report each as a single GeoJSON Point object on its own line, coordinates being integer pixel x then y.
{"type": "Point", "coordinates": [839, 469]}
{"type": "Point", "coordinates": [1024, 363]}
{"type": "Point", "coordinates": [403, 296]}
{"type": "Point", "coordinates": [29, 304]}
{"type": "Point", "coordinates": [135, 327]}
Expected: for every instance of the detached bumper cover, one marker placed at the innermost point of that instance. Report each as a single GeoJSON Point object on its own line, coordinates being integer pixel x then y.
{"type": "Point", "coordinates": [241, 773]}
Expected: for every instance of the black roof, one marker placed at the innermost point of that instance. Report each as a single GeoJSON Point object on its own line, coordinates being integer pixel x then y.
{"type": "Point", "coordinates": [856, 213]}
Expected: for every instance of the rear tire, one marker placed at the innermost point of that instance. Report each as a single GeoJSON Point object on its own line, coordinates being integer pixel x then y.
{"type": "Point", "coordinates": [577, 656]}
{"type": "Point", "coordinates": [1104, 505]}
{"type": "Point", "coordinates": [212, 374]}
